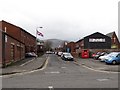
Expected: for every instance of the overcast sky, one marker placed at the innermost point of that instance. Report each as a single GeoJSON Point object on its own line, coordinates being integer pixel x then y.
{"type": "Point", "coordinates": [62, 19]}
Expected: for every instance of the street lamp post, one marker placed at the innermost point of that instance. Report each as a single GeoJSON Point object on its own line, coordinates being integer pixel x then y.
{"type": "Point", "coordinates": [36, 37]}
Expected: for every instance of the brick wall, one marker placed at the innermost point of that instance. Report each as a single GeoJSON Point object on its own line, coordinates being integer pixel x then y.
{"type": "Point", "coordinates": [19, 50]}
{"type": "Point", "coordinates": [12, 30]}
{"type": "Point", "coordinates": [71, 45]}
{"type": "Point", "coordinates": [19, 39]}
{"type": "Point", "coordinates": [30, 43]}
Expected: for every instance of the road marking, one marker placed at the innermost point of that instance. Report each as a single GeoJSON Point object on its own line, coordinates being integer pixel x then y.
{"type": "Point", "coordinates": [98, 70]}
{"type": "Point", "coordinates": [27, 62]}
{"type": "Point", "coordinates": [55, 72]}
{"type": "Point", "coordinates": [46, 63]}
{"type": "Point", "coordinates": [27, 72]}
{"type": "Point", "coordinates": [95, 69]}
{"type": "Point", "coordinates": [50, 87]}
{"type": "Point", "coordinates": [63, 67]}
{"type": "Point", "coordinates": [102, 80]}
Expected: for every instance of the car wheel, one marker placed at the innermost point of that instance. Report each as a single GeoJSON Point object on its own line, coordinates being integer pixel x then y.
{"type": "Point", "coordinates": [114, 62]}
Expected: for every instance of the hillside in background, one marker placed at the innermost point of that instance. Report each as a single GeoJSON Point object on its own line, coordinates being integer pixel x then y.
{"type": "Point", "coordinates": [56, 42]}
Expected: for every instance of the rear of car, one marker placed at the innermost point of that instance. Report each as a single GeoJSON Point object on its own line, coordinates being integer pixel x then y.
{"type": "Point", "coordinates": [60, 53]}
{"type": "Point", "coordinates": [30, 54]}
{"type": "Point", "coordinates": [67, 57]}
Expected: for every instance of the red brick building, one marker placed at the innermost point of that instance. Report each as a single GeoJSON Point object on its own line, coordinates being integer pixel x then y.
{"type": "Point", "coordinates": [15, 42]}
{"type": "Point", "coordinates": [80, 44]}
{"type": "Point", "coordinates": [0, 46]}
{"type": "Point", "coordinates": [71, 46]}
{"type": "Point", "coordinates": [114, 40]}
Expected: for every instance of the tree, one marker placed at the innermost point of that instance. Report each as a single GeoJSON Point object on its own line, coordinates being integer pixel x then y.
{"type": "Point", "coordinates": [48, 45]}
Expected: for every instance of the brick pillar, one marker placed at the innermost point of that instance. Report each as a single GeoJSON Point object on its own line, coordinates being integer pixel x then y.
{"type": "Point", "coordinates": [0, 47]}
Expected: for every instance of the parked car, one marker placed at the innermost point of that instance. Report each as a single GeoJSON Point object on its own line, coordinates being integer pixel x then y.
{"type": "Point", "coordinates": [30, 54]}
{"type": "Point", "coordinates": [113, 58]}
{"type": "Point", "coordinates": [49, 52]}
{"type": "Point", "coordinates": [92, 54]}
{"type": "Point", "coordinates": [96, 54]}
{"type": "Point", "coordinates": [102, 58]}
{"type": "Point", "coordinates": [60, 53]}
{"type": "Point", "coordinates": [67, 56]}
{"type": "Point", "coordinates": [100, 54]}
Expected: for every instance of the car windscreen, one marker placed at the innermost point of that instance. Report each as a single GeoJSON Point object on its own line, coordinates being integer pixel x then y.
{"type": "Point", "coordinates": [68, 54]}
{"type": "Point", "coordinates": [113, 54]}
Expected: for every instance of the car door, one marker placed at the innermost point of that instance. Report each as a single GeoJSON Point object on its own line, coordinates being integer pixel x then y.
{"type": "Point", "coordinates": [118, 58]}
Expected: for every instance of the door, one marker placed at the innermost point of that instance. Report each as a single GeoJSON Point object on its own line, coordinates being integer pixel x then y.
{"type": "Point", "coordinates": [12, 52]}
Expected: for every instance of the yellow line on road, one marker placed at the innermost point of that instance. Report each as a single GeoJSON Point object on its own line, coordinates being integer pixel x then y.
{"type": "Point", "coordinates": [94, 69]}
{"type": "Point", "coordinates": [27, 72]}
{"type": "Point", "coordinates": [27, 62]}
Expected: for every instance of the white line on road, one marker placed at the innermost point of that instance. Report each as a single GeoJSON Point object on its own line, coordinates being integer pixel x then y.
{"type": "Point", "coordinates": [98, 70]}
{"type": "Point", "coordinates": [26, 62]}
{"type": "Point", "coordinates": [54, 72]}
{"type": "Point", "coordinates": [50, 87]}
{"type": "Point", "coordinates": [94, 69]}
{"type": "Point", "coordinates": [63, 67]}
{"type": "Point", "coordinates": [102, 79]}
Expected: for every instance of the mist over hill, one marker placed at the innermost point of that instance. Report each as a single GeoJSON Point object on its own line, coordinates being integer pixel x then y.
{"type": "Point", "coordinates": [56, 42]}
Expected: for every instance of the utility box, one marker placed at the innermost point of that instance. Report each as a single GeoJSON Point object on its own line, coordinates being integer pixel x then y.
{"type": "Point", "coordinates": [85, 53]}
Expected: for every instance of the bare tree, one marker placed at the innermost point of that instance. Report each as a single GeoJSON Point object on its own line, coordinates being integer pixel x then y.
{"type": "Point", "coordinates": [48, 46]}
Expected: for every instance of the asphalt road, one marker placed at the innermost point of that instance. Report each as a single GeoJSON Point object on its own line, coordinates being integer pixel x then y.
{"type": "Point", "coordinates": [62, 74]}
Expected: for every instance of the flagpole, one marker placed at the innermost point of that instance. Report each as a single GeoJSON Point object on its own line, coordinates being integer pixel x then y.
{"type": "Point", "coordinates": [36, 37]}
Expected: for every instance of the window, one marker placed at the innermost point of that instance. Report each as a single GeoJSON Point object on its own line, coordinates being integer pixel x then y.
{"type": "Point", "coordinates": [96, 40]}
{"type": "Point", "coordinates": [12, 52]}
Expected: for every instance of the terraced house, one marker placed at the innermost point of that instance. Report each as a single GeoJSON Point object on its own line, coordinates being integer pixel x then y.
{"type": "Point", "coordinates": [14, 43]}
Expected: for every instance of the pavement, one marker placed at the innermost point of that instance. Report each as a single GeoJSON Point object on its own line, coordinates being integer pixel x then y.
{"type": "Point", "coordinates": [97, 65]}
{"type": "Point", "coordinates": [25, 65]}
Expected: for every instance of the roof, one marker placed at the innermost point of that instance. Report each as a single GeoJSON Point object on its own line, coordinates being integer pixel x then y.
{"type": "Point", "coordinates": [91, 35]}
{"type": "Point", "coordinates": [110, 34]}
{"type": "Point", "coordinates": [96, 33]}
{"type": "Point", "coordinates": [19, 28]}
{"type": "Point", "coordinates": [79, 40]}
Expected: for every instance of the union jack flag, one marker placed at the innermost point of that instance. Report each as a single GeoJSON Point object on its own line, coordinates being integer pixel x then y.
{"type": "Point", "coordinates": [39, 33]}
